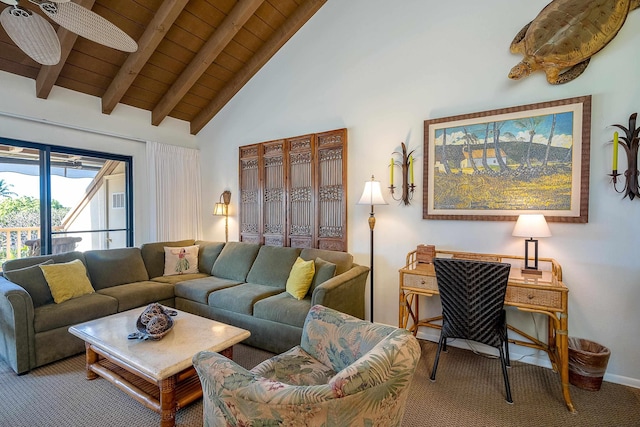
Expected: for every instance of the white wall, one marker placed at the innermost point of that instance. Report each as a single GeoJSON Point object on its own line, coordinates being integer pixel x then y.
{"type": "Point", "coordinates": [17, 98]}
{"type": "Point", "coordinates": [381, 68]}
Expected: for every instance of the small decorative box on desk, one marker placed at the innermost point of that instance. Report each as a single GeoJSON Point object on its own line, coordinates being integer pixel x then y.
{"type": "Point", "coordinates": [425, 254]}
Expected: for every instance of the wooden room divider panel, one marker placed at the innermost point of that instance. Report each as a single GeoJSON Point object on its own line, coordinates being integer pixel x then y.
{"type": "Point", "coordinates": [274, 214]}
{"type": "Point", "coordinates": [250, 194]}
{"type": "Point", "coordinates": [301, 192]}
{"type": "Point", "coordinates": [294, 191]}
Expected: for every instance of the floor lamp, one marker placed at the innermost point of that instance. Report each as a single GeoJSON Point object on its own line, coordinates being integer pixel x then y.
{"type": "Point", "coordinates": [372, 195]}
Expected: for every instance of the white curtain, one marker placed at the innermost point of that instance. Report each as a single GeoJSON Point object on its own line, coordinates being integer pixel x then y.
{"type": "Point", "coordinates": [175, 196]}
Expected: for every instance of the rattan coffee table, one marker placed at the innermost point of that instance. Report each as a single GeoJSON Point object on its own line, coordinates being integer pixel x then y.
{"type": "Point", "coordinates": [158, 374]}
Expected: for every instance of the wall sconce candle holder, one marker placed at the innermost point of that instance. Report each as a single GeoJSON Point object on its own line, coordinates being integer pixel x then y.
{"type": "Point", "coordinates": [406, 164]}
{"type": "Point", "coordinates": [630, 144]}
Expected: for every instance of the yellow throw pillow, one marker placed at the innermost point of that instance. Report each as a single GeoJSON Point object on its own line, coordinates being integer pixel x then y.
{"type": "Point", "coordinates": [67, 280]}
{"type": "Point", "coordinates": [300, 278]}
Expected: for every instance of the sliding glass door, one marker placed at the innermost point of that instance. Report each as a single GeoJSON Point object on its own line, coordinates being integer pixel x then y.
{"type": "Point", "coordinates": [58, 199]}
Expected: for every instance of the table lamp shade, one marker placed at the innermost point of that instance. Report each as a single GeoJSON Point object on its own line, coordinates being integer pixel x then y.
{"type": "Point", "coordinates": [531, 225]}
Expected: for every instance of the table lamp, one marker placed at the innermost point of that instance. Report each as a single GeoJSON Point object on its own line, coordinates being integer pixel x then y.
{"type": "Point", "coordinates": [531, 225]}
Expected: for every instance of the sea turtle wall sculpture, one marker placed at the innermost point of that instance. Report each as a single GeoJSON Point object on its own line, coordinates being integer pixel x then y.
{"type": "Point", "coordinates": [565, 35]}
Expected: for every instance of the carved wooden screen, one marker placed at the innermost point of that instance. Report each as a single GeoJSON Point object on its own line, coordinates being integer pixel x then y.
{"type": "Point", "coordinates": [295, 193]}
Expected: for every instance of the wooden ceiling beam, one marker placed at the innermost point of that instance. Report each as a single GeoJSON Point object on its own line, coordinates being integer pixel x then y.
{"type": "Point", "coordinates": [220, 38]}
{"type": "Point", "coordinates": [149, 41]}
{"type": "Point", "coordinates": [302, 14]}
{"type": "Point", "coordinates": [48, 74]}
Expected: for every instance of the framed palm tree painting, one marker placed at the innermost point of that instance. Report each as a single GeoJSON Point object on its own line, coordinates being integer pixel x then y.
{"type": "Point", "coordinates": [495, 165]}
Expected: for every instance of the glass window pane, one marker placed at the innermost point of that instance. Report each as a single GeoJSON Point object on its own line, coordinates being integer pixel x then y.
{"type": "Point", "coordinates": [19, 202]}
{"type": "Point", "coordinates": [89, 196]}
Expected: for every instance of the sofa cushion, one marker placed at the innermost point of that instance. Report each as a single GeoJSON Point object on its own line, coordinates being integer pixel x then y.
{"type": "Point", "coordinates": [180, 260]}
{"type": "Point", "coordinates": [235, 260]}
{"type": "Point", "coordinates": [342, 260]}
{"type": "Point", "coordinates": [283, 308]}
{"type": "Point", "coordinates": [272, 266]}
{"type": "Point", "coordinates": [177, 278]}
{"type": "Point", "coordinates": [209, 252]}
{"type": "Point", "coordinates": [137, 294]}
{"type": "Point", "coordinates": [67, 280]}
{"type": "Point", "coordinates": [153, 255]}
{"type": "Point", "coordinates": [325, 270]}
{"type": "Point", "coordinates": [73, 311]}
{"type": "Point", "coordinates": [198, 290]}
{"type": "Point", "coordinates": [241, 298]}
{"type": "Point", "coordinates": [33, 281]}
{"type": "Point", "coordinates": [14, 264]}
{"type": "Point", "coordinates": [300, 278]}
{"type": "Point", "coordinates": [113, 267]}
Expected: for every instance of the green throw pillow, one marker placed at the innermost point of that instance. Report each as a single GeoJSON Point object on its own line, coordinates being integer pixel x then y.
{"type": "Point", "coordinates": [300, 278]}
{"type": "Point", "coordinates": [325, 270]}
{"type": "Point", "coordinates": [32, 280]}
{"type": "Point", "coordinates": [67, 280]}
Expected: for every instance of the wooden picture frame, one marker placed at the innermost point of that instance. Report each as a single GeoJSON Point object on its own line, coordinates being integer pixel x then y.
{"type": "Point", "coordinates": [467, 180]}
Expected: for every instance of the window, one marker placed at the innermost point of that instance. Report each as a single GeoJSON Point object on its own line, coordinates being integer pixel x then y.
{"type": "Point", "coordinates": [57, 199]}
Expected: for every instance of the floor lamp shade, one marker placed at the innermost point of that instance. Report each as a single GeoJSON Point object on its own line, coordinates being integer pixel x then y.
{"type": "Point", "coordinates": [371, 195]}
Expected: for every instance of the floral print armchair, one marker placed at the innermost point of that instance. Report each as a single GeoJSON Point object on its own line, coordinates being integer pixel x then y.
{"type": "Point", "coordinates": [345, 372]}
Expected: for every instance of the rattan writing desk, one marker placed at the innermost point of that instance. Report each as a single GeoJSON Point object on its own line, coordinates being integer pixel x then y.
{"type": "Point", "coordinates": [545, 294]}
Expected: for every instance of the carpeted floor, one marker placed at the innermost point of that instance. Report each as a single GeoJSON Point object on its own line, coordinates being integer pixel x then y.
{"type": "Point", "coordinates": [468, 392]}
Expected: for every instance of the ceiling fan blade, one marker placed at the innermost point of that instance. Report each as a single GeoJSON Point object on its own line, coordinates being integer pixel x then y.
{"type": "Point", "coordinates": [88, 24]}
{"type": "Point", "coordinates": [32, 34]}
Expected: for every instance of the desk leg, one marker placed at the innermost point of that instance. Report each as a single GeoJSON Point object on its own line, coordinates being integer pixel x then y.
{"type": "Point", "coordinates": [402, 303]}
{"type": "Point", "coordinates": [562, 337]}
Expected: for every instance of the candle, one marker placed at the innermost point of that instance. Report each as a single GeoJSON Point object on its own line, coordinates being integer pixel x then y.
{"type": "Point", "coordinates": [410, 169]}
{"type": "Point", "coordinates": [615, 151]}
{"type": "Point", "coordinates": [391, 171]}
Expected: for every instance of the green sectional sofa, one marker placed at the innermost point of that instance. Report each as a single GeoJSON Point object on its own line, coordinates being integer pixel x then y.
{"type": "Point", "coordinates": [242, 284]}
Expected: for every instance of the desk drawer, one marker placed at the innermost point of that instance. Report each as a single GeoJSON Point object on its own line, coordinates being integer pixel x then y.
{"type": "Point", "coordinates": [537, 297]}
{"type": "Point", "coordinates": [420, 282]}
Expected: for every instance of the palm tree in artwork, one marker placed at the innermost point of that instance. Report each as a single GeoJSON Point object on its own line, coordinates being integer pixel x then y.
{"type": "Point", "coordinates": [551, 132]}
{"type": "Point", "coordinates": [5, 189]}
{"type": "Point", "coordinates": [529, 124]}
{"type": "Point", "coordinates": [496, 144]}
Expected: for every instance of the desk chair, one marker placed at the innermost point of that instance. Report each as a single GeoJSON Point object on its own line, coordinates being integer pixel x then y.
{"type": "Point", "coordinates": [472, 294]}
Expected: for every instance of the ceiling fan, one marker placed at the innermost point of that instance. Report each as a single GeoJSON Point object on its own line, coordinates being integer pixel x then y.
{"type": "Point", "coordinates": [36, 37]}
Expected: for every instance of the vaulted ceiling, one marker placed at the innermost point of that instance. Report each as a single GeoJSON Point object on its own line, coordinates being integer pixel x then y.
{"type": "Point", "coordinates": [193, 55]}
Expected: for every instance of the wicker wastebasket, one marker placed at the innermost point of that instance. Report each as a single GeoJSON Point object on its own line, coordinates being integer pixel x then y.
{"type": "Point", "coordinates": [587, 363]}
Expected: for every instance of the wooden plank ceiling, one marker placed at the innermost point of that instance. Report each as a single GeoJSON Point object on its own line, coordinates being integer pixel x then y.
{"type": "Point", "coordinates": [193, 55]}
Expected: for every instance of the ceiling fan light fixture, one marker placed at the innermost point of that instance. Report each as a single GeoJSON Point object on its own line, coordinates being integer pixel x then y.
{"type": "Point", "coordinates": [32, 34]}
{"type": "Point", "coordinates": [88, 24]}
